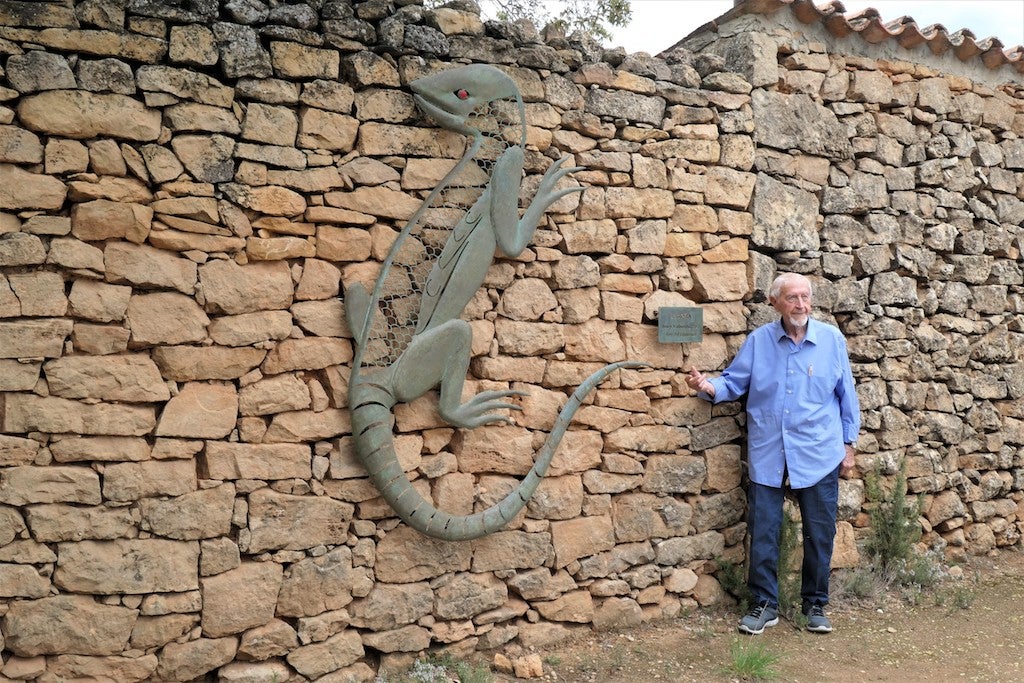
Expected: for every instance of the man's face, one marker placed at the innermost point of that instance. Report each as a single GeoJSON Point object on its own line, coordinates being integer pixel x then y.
{"type": "Point", "coordinates": [794, 303]}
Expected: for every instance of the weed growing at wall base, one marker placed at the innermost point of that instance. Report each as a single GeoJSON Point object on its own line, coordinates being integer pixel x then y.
{"type": "Point", "coordinates": [751, 659]}
{"type": "Point", "coordinates": [894, 527]}
{"type": "Point", "coordinates": [440, 670]}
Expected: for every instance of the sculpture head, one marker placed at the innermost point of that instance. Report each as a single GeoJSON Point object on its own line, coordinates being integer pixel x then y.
{"type": "Point", "coordinates": [451, 96]}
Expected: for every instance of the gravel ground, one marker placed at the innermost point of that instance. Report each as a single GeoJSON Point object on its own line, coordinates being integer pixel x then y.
{"type": "Point", "coordinates": [966, 630]}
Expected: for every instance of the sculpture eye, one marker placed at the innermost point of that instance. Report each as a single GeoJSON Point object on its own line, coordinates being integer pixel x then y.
{"type": "Point", "coordinates": [462, 94]}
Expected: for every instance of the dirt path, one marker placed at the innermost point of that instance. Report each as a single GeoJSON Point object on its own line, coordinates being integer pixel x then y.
{"type": "Point", "coordinates": [970, 630]}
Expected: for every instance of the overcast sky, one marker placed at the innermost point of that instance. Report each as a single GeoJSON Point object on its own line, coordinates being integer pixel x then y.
{"type": "Point", "coordinates": [658, 24]}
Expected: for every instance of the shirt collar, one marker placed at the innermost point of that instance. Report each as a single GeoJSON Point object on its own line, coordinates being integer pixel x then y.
{"type": "Point", "coordinates": [811, 335]}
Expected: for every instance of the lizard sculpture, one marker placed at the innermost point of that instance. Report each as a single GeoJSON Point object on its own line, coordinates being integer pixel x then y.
{"type": "Point", "coordinates": [408, 335]}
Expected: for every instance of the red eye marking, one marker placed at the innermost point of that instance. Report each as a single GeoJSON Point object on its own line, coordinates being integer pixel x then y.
{"type": "Point", "coordinates": [462, 94]}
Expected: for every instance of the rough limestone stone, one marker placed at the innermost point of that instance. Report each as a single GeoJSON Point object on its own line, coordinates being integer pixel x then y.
{"type": "Point", "coordinates": [240, 599]}
{"type": "Point", "coordinates": [190, 660]}
{"type": "Point", "coordinates": [142, 265]}
{"type": "Point", "coordinates": [319, 659]}
{"type": "Point", "coordinates": [84, 115]}
{"type": "Point", "coordinates": [129, 378]}
{"type": "Point", "coordinates": [60, 522]}
{"type": "Point", "coordinates": [16, 450]}
{"type": "Point", "coordinates": [127, 566]}
{"type": "Point", "coordinates": [469, 594]}
{"type": "Point", "coordinates": [797, 122]}
{"type": "Point", "coordinates": [200, 411]}
{"type": "Point", "coordinates": [233, 289]}
{"type": "Point", "coordinates": [73, 254]}
{"type": "Point", "coordinates": [512, 549]}
{"type": "Point", "coordinates": [22, 485]}
{"type": "Point", "coordinates": [281, 521]}
{"type": "Point", "coordinates": [577, 538]}
{"type": "Point", "coordinates": [67, 624]}
{"type": "Point", "coordinates": [98, 301]}
{"type": "Point", "coordinates": [22, 581]}
{"type": "Point", "coordinates": [40, 293]}
{"type": "Point", "coordinates": [18, 146]}
{"type": "Point", "coordinates": [207, 157]}
{"type": "Point", "coordinates": [21, 189]}
{"type": "Point", "coordinates": [191, 363]}
{"type": "Point", "coordinates": [321, 584]}
{"type": "Point", "coordinates": [250, 328]}
{"type": "Point", "coordinates": [275, 639]}
{"type": "Point", "coordinates": [104, 219]}
{"type": "Point", "coordinates": [165, 318]}
{"type": "Point", "coordinates": [406, 555]}
{"type": "Point", "coordinates": [226, 461]}
{"type": "Point", "coordinates": [389, 606]}
{"type": "Point", "coordinates": [191, 516]}
{"type": "Point", "coordinates": [135, 480]}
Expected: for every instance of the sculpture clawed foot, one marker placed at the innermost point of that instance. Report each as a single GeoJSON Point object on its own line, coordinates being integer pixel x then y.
{"type": "Point", "coordinates": [480, 409]}
{"type": "Point", "coordinates": [546, 192]}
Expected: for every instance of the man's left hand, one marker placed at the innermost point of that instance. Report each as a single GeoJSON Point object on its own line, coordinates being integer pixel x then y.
{"type": "Point", "coordinates": [849, 463]}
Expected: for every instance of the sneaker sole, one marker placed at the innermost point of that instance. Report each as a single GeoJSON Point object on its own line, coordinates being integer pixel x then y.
{"type": "Point", "coordinates": [820, 629]}
{"type": "Point", "coordinates": [746, 629]}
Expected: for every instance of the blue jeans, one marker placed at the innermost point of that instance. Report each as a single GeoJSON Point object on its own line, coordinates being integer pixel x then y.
{"type": "Point", "coordinates": [818, 506]}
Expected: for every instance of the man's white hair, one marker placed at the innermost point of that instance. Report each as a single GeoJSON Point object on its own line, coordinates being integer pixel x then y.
{"type": "Point", "coordinates": [786, 279]}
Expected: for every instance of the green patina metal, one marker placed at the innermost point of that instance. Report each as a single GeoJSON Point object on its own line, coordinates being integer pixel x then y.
{"type": "Point", "coordinates": [408, 335]}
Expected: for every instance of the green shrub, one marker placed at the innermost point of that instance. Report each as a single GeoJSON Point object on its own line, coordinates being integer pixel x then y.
{"type": "Point", "coordinates": [894, 522]}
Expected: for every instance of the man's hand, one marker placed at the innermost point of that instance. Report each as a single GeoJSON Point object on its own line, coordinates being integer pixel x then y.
{"type": "Point", "coordinates": [698, 382]}
{"type": "Point", "coordinates": [848, 463]}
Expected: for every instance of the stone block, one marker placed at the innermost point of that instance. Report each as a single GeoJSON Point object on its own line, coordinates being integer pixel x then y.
{"type": "Point", "coordinates": [29, 413]}
{"type": "Point", "coordinates": [240, 599]}
{"type": "Point", "coordinates": [577, 538]}
{"type": "Point", "coordinates": [319, 659]}
{"type": "Point", "coordinates": [267, 462]}
{"type": "Point", "coordinates": [98, 301]}
{"type": "Point", "coordinates": [190, 660]}
{"type": "Point", "coordinates": [233, 289]}
{"type": "Point", "coordinates": [200, 411]}
{"type": "Point", "coordinates": [192, 363]}
{"type": "Point", "coordinates": [33, 338]}
{"type": "Point", "coordinates": [142, 265]}
{"type": "Point", "coordinates": [129, 378]}
{"type": "Point", "coordinates": [131, 481]}
{"type": "Point", "coordinates": [67, 623]}
{"type": "Point", "coordinates": [282, 521]}
{"type": "Point", "coordinates": [126, 566]}
{"type": "Point", "coordinates": [407, 555]}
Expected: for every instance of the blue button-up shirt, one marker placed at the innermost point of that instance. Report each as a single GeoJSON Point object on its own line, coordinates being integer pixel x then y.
{"type": "Point", "coordinates": [801, 402]}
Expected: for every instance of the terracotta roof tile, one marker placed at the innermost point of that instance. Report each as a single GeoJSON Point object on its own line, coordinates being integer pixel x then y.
{"type": "Point", "coordinates": [870, 26]}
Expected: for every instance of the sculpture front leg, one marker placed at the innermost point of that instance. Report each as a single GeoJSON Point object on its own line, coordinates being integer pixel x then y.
{"type": "Point", "coordinates": [547, 194]}
{"type": "Point", "coordinates": [440, 358]}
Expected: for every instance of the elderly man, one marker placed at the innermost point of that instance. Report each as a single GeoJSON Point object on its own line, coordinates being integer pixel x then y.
{"type": "Point", "coordinates": [802, 423]}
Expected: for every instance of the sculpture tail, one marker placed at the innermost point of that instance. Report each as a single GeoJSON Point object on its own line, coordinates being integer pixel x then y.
{"type": "Point", "coordinates": [390, 479]}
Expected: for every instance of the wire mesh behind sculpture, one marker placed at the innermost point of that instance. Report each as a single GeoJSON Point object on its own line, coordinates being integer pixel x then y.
{"type": "Point", "coordinates": [394, 321]}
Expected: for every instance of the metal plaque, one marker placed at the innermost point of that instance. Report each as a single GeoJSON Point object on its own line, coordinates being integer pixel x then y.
{"type": "Point", "coordinates": [679, 325]}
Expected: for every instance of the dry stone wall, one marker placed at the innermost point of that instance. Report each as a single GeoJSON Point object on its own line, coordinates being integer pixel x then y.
{"type": "Point", "coordinates": [185, 186]}
{"type": "Point", "coordinates": [897, 188]}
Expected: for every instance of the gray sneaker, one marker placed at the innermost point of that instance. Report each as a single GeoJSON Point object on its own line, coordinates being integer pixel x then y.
{"type": "Point", "coordinates": [817, 622]}
{"type": "Point", "coordinates": [760, 617]}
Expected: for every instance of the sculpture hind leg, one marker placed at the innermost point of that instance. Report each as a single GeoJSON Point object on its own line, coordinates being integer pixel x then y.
{"type": "Point", "coordinates": [440, 356]}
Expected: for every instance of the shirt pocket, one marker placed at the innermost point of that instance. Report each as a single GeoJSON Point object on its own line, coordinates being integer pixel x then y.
{"type": "Point", "coordinates": [821, 388]}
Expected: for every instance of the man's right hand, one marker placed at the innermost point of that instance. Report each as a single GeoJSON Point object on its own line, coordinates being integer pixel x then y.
{"type": "Point", "coordinates": [698, 382]}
